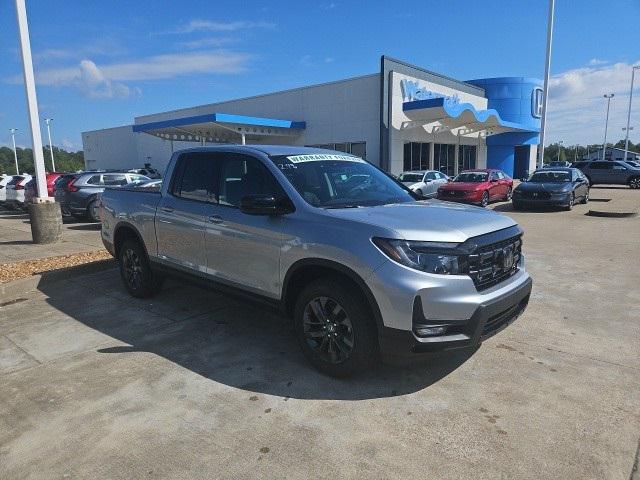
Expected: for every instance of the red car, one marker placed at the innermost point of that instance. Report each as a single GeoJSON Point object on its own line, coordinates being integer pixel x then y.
{"type": "Point", "coordinates": [30, 188]}
{"type": "Point", "coordinates": [478, 186]}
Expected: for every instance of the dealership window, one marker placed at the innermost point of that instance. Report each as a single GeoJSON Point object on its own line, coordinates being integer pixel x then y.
{"type": "Point", "coordinates": [358, 149]}
{"type": "Point", "coordinates": [444, 158]}
{"type": "Point", "coordinates": [466, 157]}
{"type": "Point", "coordinates": [416, 156]}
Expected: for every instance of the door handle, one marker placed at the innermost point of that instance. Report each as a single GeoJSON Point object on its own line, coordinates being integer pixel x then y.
{"type": "Point", "coordinates": [167, 209]}
{"type": "Point", "coordinates": [214, 219]}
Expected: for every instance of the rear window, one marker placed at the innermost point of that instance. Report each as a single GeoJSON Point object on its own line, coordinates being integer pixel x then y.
{"type": "Point", "coordinates": [16, 180]}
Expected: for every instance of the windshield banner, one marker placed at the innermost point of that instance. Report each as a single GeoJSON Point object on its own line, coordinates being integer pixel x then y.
{"type": "Point", "coordinates": [321, 157]}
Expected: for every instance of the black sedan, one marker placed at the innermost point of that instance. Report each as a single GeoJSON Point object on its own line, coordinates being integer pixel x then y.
{"type": "Point", "coordinates": [552, 187]}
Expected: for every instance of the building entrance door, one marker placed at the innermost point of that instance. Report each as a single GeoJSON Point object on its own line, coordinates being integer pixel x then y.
{"type": "Point", "coordinates": [521, 161]}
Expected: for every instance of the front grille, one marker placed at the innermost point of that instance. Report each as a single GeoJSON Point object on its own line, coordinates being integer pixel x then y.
{"type": "Point", "coordinates": [491, 264]}
{"type": "Point", "coordinates": [453, 193]}
{"type": "Point", "coordinates": [536, 195]}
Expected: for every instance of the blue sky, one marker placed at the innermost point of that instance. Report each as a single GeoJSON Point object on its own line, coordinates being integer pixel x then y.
{"type": "Point", "coordinates": [99, 64]}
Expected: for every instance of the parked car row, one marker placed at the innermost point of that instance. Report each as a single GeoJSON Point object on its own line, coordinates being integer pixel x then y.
{"type": "Point", "coordinates": [77, 193]}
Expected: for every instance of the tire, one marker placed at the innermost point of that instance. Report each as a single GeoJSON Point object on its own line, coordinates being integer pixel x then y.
{"type": "Point", "coordinates": [135, 270]}
{"type": "Point", "coordinates": [92, 211]}
{"type": "Point", "coordinates": [572, 201]}
{"type": "Point", "coordinates": [589, 180]}
{"type": "Point", "coordinates": [419, 192]}
{"type": "Point", "coordinates": [334, 328]}
{"type": "Point", "coordinates": [485, 199]}
{"type": "Point", "coordinates": [585, 200]}
{"type": "Point", "coordinates": [634, 183]}
{"type": "Point", "coordinates": [509, 195]}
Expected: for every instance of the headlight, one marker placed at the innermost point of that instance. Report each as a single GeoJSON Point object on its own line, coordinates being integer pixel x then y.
{"type": "Point", "coordinates": [431, 257]}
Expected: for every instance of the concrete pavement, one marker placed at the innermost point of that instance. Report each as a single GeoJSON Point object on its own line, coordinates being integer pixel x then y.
{"type": "Point", "coordinates": [193, 384]}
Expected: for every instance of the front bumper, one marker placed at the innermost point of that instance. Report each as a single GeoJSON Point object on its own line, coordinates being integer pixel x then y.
{"type": "Point", "coordinates": [487, 320]}
{"type": "Point", "coordinates": [409, 298]}
{"type": "Point", "coordinates": [467, 197]}
{"type": "Point", "coordinates": [555, 200]}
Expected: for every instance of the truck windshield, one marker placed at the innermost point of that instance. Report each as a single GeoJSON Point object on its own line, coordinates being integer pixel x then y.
{"type": "Point", "coordinates": [340, 181]}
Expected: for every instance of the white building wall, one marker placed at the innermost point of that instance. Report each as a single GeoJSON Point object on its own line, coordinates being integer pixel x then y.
{"type": "Point", "coordinates": [398, 136]}
{"type": "Point", "coordinates": [110, 148]}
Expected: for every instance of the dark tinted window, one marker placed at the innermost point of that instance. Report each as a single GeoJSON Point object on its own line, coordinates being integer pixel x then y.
{"type": "Point", "coordinates": [619, 166]}
{"type": "Point", "coordinates": [95, 180]}
{"type": "Point", "coordinates": [601, 166]}
{"type": "Point", "coordinates": [580, 164]}
{"type": "Point", "coordinates": [241, 175]}
{"type": "Point", "coordinates": [119, 179]}
{"type": "Point", "coordinates": [15, 180]}
{"type": "Point", "coordinates": [195, 178]}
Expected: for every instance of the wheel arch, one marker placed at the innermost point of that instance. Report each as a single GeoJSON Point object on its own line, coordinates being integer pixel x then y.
{"type": "Point", "coordinates": [123, 231]}
{"type": "Point", "coordinates": [304, 271]}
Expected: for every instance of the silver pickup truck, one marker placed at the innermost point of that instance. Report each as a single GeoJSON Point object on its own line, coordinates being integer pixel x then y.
{"type": "Point", "coordinates": [354, 258]}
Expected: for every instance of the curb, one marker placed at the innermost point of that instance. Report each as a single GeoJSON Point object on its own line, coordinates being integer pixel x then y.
{"type": "Point", "coordinates": [29, 284]}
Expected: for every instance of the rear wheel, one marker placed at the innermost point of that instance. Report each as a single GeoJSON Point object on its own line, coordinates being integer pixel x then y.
{"type": "Point", "coordinates": [334, 328]}
{"type": "Point", "coordinates": [93, 211]}
{"type": "Point", "coordinates": [589, 180]}
{"type": "Point", "coordinates": [509, 195]}
{"type": "Point", "coordinates": [585, 200]}
{"type": "Point", "coordinates": [634, 182]}
{"type": "Point", "coordinates": [138, 277]}
{"type": "Point", "coordinates": [419, 192]}
{"type": "Point", "coordinates": [485, 199]}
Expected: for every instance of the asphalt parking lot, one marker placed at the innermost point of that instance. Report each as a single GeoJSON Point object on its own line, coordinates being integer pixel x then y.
{"type": "Point", "coordinates": [193, 384]}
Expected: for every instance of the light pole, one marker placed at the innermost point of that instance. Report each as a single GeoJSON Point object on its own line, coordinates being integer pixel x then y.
{"type": "Point", "coordinates": [608, 96]}
{"type": "Point", "coordinates": [44, 213]}
{"type": "Point", "coordinates": [626, 137]}
{"type": "Point", "coordinates": [545, 89]}
{"type": "Point", "coordinates": [53, 163]}
{"type": "Point", "coordinates": [559, 147]}
{"type": "Point", "coordinates": [15, 153]}
{"type": "Point", "coordinates": [575, 154]}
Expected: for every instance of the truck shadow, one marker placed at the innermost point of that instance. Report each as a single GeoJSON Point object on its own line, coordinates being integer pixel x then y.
{"type": "Point", "coordinates": [226, 340]}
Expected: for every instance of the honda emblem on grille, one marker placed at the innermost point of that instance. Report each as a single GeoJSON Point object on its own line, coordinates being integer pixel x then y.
{"type": "Point", "coordinates": [507, 258]}
{"type": "Point", "coordinates": [535, 195]}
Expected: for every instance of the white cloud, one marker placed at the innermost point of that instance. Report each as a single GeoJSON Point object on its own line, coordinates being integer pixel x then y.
{"type": "Point", "coordinates": [577, 108]}
{"type": "Point", "coordinates": [597, 61]}
{"type": "Point", "coordinates": [200, 25]}
{"type": "Point", "coordinates": [70, 146]}
{"type": "Point", "coordinates": [209, 42]}
{"type": "Point", "coordinates": [106, 81]}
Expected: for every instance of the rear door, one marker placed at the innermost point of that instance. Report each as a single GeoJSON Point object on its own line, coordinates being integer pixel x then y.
{"type": "Point", "coordinates": [619, 173]}
{"type": "Point", "coordinates": [600, 171]}
{"type": "Point", "coordinates": [244, 250]}
{"type": "Point", "coordinates": [181, 213]}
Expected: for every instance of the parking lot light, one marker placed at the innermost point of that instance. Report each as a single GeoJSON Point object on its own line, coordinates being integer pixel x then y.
{"type": "Point", "coordinates": [15, 153]}
{"type": "Point", "coordinates": [608, 96]}
{"type": "Point", "coordinates": [626, 137]}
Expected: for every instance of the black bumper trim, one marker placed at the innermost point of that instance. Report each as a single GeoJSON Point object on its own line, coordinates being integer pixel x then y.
{"type": "Point", "coordinates": [487, 320]}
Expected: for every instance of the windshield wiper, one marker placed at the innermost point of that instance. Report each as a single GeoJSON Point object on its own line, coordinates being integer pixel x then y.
{"type": "Point", "coordinates": [340, 206]}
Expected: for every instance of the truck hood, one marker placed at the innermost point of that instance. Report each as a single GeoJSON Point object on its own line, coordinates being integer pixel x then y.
{"type": "Point", "coordinates": [431, 220]}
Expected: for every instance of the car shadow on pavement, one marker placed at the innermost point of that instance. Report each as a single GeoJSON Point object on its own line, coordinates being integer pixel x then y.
{"type": "Point", "coordinates": [227, 340]}
{"type": "Point", "coordinates": [86, 226]}
{"type": "Point", "coordinates": [508, 207]}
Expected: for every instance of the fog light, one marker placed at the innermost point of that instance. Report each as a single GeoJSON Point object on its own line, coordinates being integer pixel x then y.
{"type": "Point", "coordinates": [423, 331]}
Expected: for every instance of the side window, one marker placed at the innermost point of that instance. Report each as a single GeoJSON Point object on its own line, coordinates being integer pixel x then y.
{"type": "Point", "coordinates": [195, 178]}
{"type": "Point", "coordinates": [493, 176]}
{"type": "Point", "coordinates": [500, 175]}
{"type": "Point", "coordinates": [601, 165]}
{"type": "Point", "coordinates": [114, 180]}
{"type": "Point", "coordinates": [95, 180]}
{"type": "Point", "coordinates": [432, 176]}
{"type": "Point", "coordinates": [242, 175]}
{"type": "Point", "coordinates": [619, 166]}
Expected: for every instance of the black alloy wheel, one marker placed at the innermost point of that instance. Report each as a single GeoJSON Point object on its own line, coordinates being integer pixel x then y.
{"type": "Point", "coordinates": [328, 330]}
{"type": "Point", "coordinates": [485, 199]}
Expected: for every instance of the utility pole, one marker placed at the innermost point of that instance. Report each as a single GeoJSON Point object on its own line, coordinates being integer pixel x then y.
{"type": "Point", "coordinates": [15, 153]}
{"type": "Point", "coordinates": [559, 148]}
{"type": "Point", "coordinates": [626, 137]}
{"type": "Point", "coordinates": [53, 163]}
{"type": "Point", "coordinates": [547, 71]}
{"type": "Point", "coordinates": [44, 213]}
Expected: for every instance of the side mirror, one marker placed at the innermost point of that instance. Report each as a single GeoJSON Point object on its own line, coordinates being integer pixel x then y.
{"type": "Point", "coordinates": [524, 179]}
{"type": "Point", "coordinates": [494, 180]}
{"type": "Point", "coordinates": [264, 204]}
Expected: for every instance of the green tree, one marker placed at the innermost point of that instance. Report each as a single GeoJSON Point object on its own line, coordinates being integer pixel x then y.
{"type": "Point", "coordinates": [65, 161]}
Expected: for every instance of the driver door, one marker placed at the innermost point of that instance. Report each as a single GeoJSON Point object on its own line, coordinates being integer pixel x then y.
{"type": "Point", "coordinates": [495, 190]}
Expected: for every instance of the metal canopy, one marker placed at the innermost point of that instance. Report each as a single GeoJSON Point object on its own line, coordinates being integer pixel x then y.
{"type": "Point", "coordinates": [220, 128]}
{"type": "Point", "coordinates": [441, 114]}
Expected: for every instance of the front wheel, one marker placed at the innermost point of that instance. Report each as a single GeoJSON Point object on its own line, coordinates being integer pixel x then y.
{"type": "Point", "coordinates": [334, 328]}
{"type": "Point", "coordinates": [634, 182]}
{"type": "Point", "coordinates": [419, 192]}
{"type": "Point", "coordinates": [93, 211]}
{"type": "Point", "coordinates": [585, 200]}
{"type": "Point", "coordinates": [138, 277]}
{"type": "Point", "coordinates": [485, 199]}
{"type": "Point", "coordinates": [572, 201]}
{"type": "Point", "coordinates": [509, 195]}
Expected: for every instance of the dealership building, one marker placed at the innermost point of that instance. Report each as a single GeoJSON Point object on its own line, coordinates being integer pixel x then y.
{"type": "Point", "coordinates": [400, 118]}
